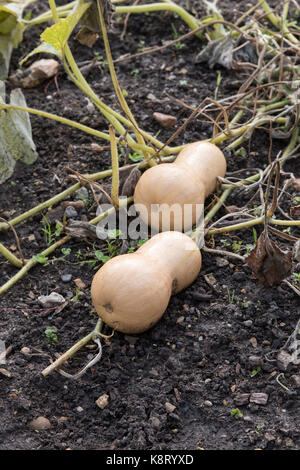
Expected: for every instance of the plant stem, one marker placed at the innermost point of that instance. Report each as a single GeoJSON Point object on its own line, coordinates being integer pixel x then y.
{"type": "Point", "coordinates": [73, 350]}
{"type": "Point", "coordinates": [151, 7]}
{"type": "Point", "coordinates": [10, 256]}
{"type": "Point", "coordinates": [115, 168]}
{"type": "Point", "coordinates": [33, 261]}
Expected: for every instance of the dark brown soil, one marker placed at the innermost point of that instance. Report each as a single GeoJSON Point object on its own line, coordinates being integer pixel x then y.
{"type": "Point", "coordinates": [214, 348]}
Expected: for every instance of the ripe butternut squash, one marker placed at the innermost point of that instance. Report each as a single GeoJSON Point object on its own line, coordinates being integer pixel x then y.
{"type": "Point", "coordinates": [171, 196]}
{"type": "Point", "coordinates": [131, 292]}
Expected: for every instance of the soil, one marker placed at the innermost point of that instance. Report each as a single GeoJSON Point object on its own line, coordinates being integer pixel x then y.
{"type": "Point", "coordinates": [213, 355]}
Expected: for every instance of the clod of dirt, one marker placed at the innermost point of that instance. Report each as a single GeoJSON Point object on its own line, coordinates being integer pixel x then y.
{"type": "Point", "coordinates": [269, 263]}
{"type": "Point", "coordinates": [40, 424]}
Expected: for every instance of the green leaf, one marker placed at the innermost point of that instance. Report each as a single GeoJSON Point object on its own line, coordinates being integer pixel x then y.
{"type": "Point", "coordinates": [40, 258]}
{"type": "Point", "coordinates": [43, 47]}
{"type": "Point", "coordinates": [58, 34]}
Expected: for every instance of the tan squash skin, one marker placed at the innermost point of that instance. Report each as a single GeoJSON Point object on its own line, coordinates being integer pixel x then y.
{"type": "Point", "coordinates": [131, 292]}
{"type": "Point", "coordinates": [179, 253]}
{"type": "Point", "coordinates": [189, 180]}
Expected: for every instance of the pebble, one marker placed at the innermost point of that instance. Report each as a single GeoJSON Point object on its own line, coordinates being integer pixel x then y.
{"type": "Point", "coordinates": [241, 399]}
{"type": "Point", "coordinates": [51, 299]}
{"type": "Point", "coordinates": [221, 262]}
{"type": "Point", "coordinates": [155, 422]}
{"type": "Point", "coordinates": [102, 401]}
{"type": "Point", "coordinates": [296, 380]}
{"type": "Point", "coordinates": [284, 359]}
{"type": "Point", "coordinates": [253, 341]}
{"type": "Point", "coordinates": [255, 360]}
{"type": "Point", "coordinates": [259, 398]}
{"type": "Point", "coordinates": [169, 407]}
{"type": "Point", "coordinates": [39, 424]}
{"type": "Point", "coordinates": [165, 120]}
{"type": "Point", "coordinates": [66, 277]}
{"type": "Point", "coordinates": [208, 403]}
{"type": "Point", "coordinates": [297, 251]}
{"type": "Point", "coordinates": [71, 212]}
{"type": "Point", "coordinates": [248, 322]}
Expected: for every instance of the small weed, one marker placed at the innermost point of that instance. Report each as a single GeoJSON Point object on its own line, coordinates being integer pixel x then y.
{"type": "Point", "coordinates": [50, 334]}
{"type": "Point", "coordinates": [245, 303]}
{"type": "Point", "coordinates": [230, 295]}
{"type": "Point", "coordinates": [48, 234]}
{"type": "Point", "coordinates": [135, 72]}
{"type": "Point", "coordinates": [255, 371]}
{"type": "Point", "coordinates": [224, 242]}
{"type": "Point", "coordinates": [237, 246]}
{"type": "Point", "coordinates": [236, 413]}
{"type": "Point", "coordinates": [40, 258]}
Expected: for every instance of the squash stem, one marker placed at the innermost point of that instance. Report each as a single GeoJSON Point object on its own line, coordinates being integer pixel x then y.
{"type": "Point", "coordinates": [73, 350]}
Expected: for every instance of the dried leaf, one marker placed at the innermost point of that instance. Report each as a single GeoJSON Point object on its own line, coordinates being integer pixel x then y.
{"type": "Point", "coordinates": [79, 229]}
{"type": "Point", "coordinates": [218, 51]}
{"type": "Point", "coordinates": [295, 212]}
{"type": "Point", "coordinates": [131, 182]}
{"type": "Point", "coordinates": [86, 37]}
{"type": "Point", "coordinates": [90, 19]}
{"type": "Point", "coordinates": [36, 74]}
{"type": "Point", "coordinates": [269, 264]}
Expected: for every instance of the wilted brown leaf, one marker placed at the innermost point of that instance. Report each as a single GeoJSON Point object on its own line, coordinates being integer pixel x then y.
{"type": "Point", "coordinates": [295, 212]}
{"type": "Point", "coordinates": [268, 262]}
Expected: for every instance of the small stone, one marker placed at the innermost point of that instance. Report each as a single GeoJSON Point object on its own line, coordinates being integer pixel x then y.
{"type": "Point", "coordinates": [25, 350]}
{"type": "Point", "coordinates": [169, 407]}
{"type": "Point", "coordinates": [62, 419]}
{"type": "Point", "coordinates": [289, 442]}
{"type": "Point", "coordinates": [241, 399]}
{"type": "Point", "coordinates": [221, 262]}
{"type": "Point", "coordinates": [66, 277]}
{"type": "Point", "coordinates": [102, 401]}
{"type": "Point", "coordinates": [51, 299]}
{"type": "Point", "coordinates": [297, 251]}
{"type": "Point", "coordinates": [255, 360]}
{"type": "Point", "coordinates": [296, 380]}
{"type": "Point", "coordinates": [253, 341]}
{"type": "Point", "coordinates": [165, 120]}
{"type": "Point", "coordinates": [71, 212]}
{"type": "Point", "coordinates": [248, 322]}
{"type": "Point", "coordinates": [79, 283]}
{"type": "Point", "coordinates": [40, 424]}
{"type": "Point", "coordinates": [259, 398]}
{"type": "Point", "coordinates": [79, 409]}
{"type": "Point", "coordinates": [284, 359]}
{"type": "Point", "coordinates": [5, 372]}
{"type": "Point", "coordinates": [180, 319]}
{"type": "Point", "coordinates": [208, 403]}
{"type": "Point", "coordinates": [154, 422]}
{"type": "Point", "coordinates": [151, 97]}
